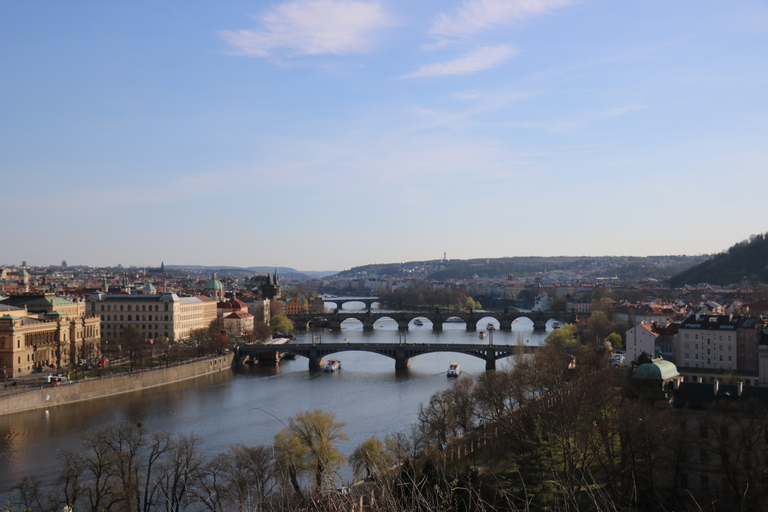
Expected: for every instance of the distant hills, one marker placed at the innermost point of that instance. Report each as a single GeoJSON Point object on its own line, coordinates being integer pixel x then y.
{"type": "Point", "coordinates": [745, 261]}
{"type": "Point", "coordinates": [623, 267]}
{"type": "Point", "coordinates": [281, 271]}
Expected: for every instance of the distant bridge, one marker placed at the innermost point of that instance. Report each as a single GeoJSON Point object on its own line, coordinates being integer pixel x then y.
{"type": "Point", "coordinates": [369, 318]}
{"type": "Point", "coordinates": [401, 353]}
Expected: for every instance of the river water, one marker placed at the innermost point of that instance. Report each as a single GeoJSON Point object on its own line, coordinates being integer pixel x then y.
{"type": "Point", "coordinates": [251, 404]}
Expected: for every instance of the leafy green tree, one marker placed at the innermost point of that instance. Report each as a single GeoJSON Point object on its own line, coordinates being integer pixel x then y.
{"type": "Point", "coordinates": [281, 323]}
{"type": "Point", "coordinates": [369, 457]}
{"type": "Point", "coordinates": [308, 444]}
{"type": "Point", "coordinates": [470, 303]}
{"type": "Point", "coordinates": [566, 336]}
{"type": "Point", "coordinates": [615, 341]}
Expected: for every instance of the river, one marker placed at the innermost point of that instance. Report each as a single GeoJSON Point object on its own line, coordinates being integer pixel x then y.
{"type": "Point", "coordinates": [250, 405]}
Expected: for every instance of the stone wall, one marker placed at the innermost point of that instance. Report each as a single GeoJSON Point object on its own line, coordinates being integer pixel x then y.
{"type": "Point", "coordinates": [86, 389]}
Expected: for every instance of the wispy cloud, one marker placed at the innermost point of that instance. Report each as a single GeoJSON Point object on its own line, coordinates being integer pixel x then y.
{"type": "Point", "coordinates": [480, 59]}
{"type": "Point", "coordinates": [477, 15]}
{"type": "Point", "coordinates": [312, 27]}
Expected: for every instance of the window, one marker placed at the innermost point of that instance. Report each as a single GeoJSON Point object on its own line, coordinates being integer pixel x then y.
{"type": "Point", "coordinates": [729, 359]}
{"type": "Point", "coordinates": [696, 336]}
{"type": "Point", "coordinates": [129, 318]}
{"type": "Point", "coordinates": [686, 345]}
{"type": "Point", "coordinates": [696, 346]}
{"type": "Point", "coordinates": [102, 307]}
{"type": "Point", "coordinates": [121, 307]}
{"type": "Point", "coordinates": [708, 352]}
{"type": "Point", "coordinates": [721, 358]}
{"type": "Point", "coordinates": [696, 356]}
{"type": "Point", "coordinates": [686, 355]}
{"type": "Point", "coordinates": [686, 335]}
{"type": "Point", "coordinates": [721, 337]}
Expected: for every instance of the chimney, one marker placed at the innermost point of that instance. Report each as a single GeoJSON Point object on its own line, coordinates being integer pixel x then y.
{"type": "Point", "coordinates": [716, 385]}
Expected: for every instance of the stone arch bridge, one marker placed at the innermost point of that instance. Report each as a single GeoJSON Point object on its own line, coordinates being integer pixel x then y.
{"type": "Point", "coordinates": [302, 321]}
{"type": "Point", "coordinates": [401, 353]}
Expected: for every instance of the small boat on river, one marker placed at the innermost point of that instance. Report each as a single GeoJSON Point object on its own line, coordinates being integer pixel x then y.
{"type": "Point", "coordinates": [483, 334]}
{"type": "Point", "coordinates": [454, 369]}
{"type": "Point", "coordinates": [418, 322]}
{"type": "Point", "coordinates": [332, 365]}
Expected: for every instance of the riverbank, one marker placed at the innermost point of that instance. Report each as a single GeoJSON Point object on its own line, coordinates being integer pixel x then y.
{"type": "Point", "coordinates": [43, 395]}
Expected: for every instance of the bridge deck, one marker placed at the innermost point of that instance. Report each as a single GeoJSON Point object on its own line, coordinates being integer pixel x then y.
{"type": "Point", "coordinates": [400, 352]}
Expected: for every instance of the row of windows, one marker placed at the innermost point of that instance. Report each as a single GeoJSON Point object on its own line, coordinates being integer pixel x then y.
{"type": "Point", "coordinates": [143, 317]}
{"type": "Point", "coordinates": [696, 347]}
{"type": "Point", "coordinates": [696, 336]}
{"type": "Point", "coordinates": [144, 307]}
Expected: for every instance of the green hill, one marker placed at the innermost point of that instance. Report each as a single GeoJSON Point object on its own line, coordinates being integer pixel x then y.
{"type": "Point", "coordinates": [745, 261]}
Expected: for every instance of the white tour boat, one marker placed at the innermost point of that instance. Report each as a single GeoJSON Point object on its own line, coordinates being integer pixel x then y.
{"type": "Point", "coordinates": [332, 365]}
{"type": "Point", "coordinates": [454, 369]}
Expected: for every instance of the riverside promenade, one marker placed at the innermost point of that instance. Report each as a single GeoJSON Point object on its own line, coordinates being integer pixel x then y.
{"type": "Point", "coordinates": [32, 392]}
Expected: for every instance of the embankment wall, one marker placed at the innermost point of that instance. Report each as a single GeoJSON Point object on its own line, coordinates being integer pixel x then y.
{"type": "Point", "coordinates": [87, 389]}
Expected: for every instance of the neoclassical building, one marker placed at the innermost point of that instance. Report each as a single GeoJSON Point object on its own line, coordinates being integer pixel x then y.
{"type": "Point", "coordinates": [157, 315]}
{"type": "Point", "coordinates": [39, 330]}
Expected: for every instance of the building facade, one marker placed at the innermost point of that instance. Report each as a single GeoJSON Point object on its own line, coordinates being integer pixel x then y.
{"type": "Point", "coordinates": [708, 342]}
{"type": "Point", "coordinates": [164, 314]}
{"type": "Point", "coordinates": [41, 330]}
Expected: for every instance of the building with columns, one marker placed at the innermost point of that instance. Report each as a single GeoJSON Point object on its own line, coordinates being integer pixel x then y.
{"type": "Point", "coordinates": [41, 330]}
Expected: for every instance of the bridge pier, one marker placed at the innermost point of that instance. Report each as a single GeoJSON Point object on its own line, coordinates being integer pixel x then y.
{"type": "Point", "coordinates": [402, 324]}
{"type": "Point", "coordinates": [490, 360]}
{"type": "Point", "coordinates": [540, 324]}
{"type": "Point", "coordinates": [402, 360]}
{"type": "Point", "coordinates": [505, 324]}
{"type": "Point", "coordinates": [316, 361]}
{"type": "Point", "coordinates": [471, 325]}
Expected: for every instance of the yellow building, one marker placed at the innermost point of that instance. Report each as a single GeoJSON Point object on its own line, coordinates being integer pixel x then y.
{"type": "Point", "coordinates": [164, 314]}
{"type": "Point", "coordinates": [39, 330]}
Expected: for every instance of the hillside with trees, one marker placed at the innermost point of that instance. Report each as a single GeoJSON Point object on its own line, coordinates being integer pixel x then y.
{"type": "Point", "coordinates": [624, 267]}
{"type": "Point", "coordinates": [747, 261]}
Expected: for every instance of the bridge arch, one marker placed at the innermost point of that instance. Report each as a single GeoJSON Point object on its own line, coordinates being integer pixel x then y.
{"type": "Point", "coordinates": [401, 353]}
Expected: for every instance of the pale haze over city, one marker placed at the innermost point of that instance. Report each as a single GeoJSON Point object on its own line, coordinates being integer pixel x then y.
{"type": "Point", "coordinates": [326, 134]}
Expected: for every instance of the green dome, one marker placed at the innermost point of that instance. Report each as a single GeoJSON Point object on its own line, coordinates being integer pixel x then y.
{"type": "Point", "coordinates": [214, 284]}
{"type": "Point", "coordinates": [23, 273]}
{"type": "Point", "coordinates": [149, 288]}
{"type": "Point", "coordinates": [659, 369]}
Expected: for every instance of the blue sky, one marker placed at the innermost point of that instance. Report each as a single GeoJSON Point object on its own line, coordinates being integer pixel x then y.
{"type": "Point", "coordinates": [325, 134]}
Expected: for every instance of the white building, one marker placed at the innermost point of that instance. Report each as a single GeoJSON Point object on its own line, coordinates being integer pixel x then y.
{"type": "Point", "coordinates": [709, 342]}
{"type": "Point", "coordinates": [639, 339]}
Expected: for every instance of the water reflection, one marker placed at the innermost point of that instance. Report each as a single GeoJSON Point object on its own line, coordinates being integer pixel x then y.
{"type": "Point", "coordinates": [249, 405]}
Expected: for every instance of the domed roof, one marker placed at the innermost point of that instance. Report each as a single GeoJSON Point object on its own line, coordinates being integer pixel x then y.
{"type": "Point", "coordinates": [149, 288]}
{"type": "Point", "coordinates": [658, 369]}
{"type": "Point", "coordinates": [214, 284]}
{"type": "Point", "coordinates": [23, 273]}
